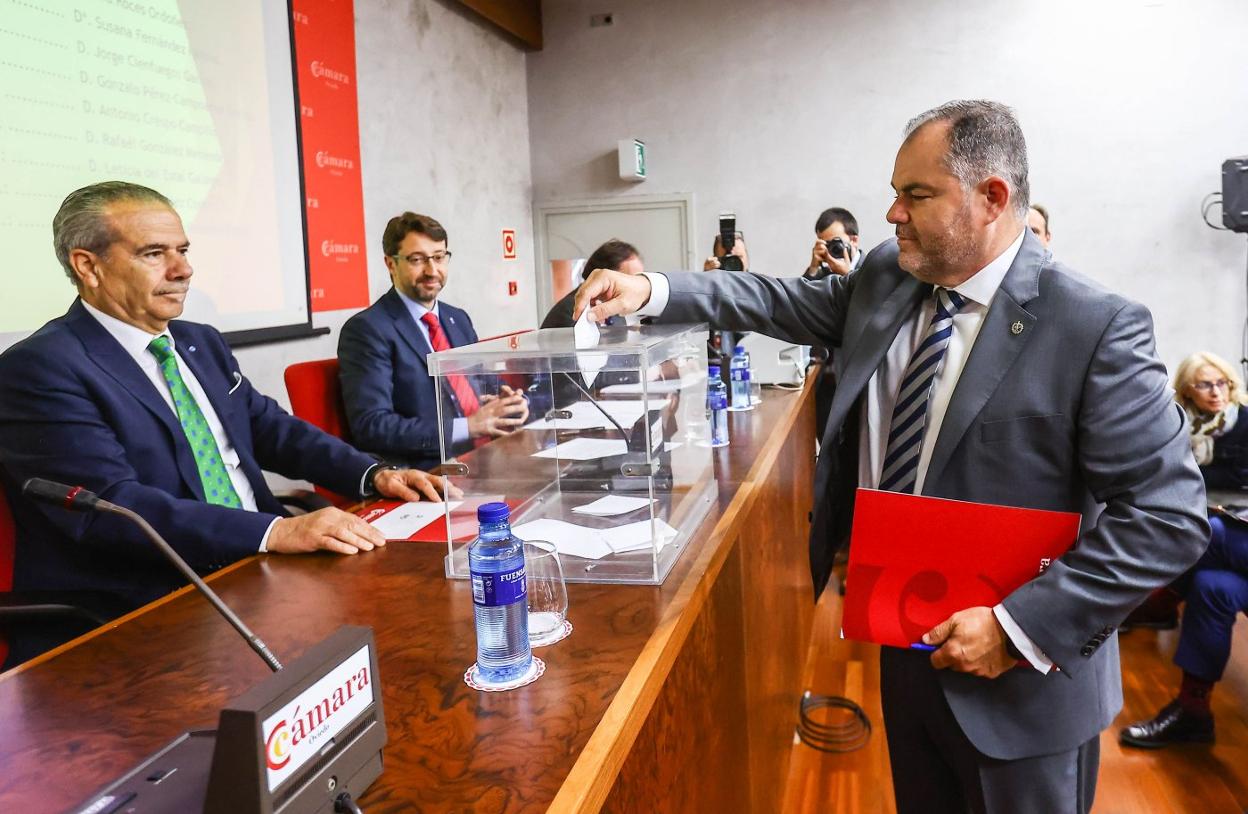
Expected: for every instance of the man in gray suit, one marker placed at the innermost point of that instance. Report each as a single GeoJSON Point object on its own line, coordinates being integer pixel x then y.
{"type": "Point", "coordinates": [975, 367]}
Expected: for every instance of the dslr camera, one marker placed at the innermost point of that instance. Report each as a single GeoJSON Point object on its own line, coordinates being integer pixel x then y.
{"type": "Point", "coordinates": [727, 239]}
{"type": "Point", "coordinates": [838, 248]}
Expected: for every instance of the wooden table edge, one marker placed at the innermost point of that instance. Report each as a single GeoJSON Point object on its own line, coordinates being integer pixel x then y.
{"type": "Point", "coordinates": [587, 785]}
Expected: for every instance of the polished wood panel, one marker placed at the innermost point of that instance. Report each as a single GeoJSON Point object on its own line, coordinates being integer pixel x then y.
{"type": "Point", "coordinates": [520, 18]}
{"type": "Point", "coordinates": [719, 735]}
{"type": "Point", "coordinates": [1177, 780]}
{"type": "Point", "coordinates": [74, 720]}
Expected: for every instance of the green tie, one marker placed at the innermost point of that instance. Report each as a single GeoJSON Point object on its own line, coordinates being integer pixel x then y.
{"type": "Point", "coordinates": [217, 487]}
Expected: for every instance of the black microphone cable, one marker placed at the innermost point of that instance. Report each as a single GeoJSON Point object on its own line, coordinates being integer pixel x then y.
{"type": "Point", "coordinates": [847, 736]}
{"type": "Point", "coordinates": [343, 804]}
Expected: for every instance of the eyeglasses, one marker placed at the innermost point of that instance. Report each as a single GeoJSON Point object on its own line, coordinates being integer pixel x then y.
{"type": "Point", "coordinates": [1209, 387]}
{"type": "Point", "coordinates": [418, 260]}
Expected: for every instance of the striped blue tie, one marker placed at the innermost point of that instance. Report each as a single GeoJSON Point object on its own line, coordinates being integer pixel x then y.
{"type": "Point", "coordinates": [905, 434]}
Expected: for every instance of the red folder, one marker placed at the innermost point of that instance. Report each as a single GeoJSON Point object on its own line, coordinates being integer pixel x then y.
{"type": "Point", "coordinates": [914, 561]}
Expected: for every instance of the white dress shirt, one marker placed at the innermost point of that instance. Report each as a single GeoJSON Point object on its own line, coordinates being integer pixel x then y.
{"type": "Point", "coordinates": [135, 341]}
{"type": "Point", "coordinates": [459, 425]}
{"type": "Point", "coordinates": [881, 391]}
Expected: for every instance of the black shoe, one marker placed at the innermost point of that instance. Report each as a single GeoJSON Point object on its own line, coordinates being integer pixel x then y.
{"type": "Point", "coordinates": [1172, 725]}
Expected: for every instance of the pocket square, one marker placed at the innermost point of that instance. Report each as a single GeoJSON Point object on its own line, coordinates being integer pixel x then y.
{"type": "Point", "coordinates": [238, 382]}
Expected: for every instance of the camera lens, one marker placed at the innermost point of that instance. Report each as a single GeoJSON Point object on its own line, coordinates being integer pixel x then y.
{"type": "Point", "coordinates": [837, 248]}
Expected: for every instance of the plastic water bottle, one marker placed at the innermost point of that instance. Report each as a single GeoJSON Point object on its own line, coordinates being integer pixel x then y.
{"type": "Point", "coordinates": [740, 370]}
{"type": "Point", "coordinates": [499, 597]}
{"type": "Point", "coordinates": [717, 406]}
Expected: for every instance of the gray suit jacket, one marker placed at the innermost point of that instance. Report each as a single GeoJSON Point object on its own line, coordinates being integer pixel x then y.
{"type": "Point", "coordinates": [1072, 412]}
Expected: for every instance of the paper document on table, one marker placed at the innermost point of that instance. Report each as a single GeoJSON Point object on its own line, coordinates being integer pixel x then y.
{"type": "Point", "coordinates": [585, 449]}
{"type": "Point", "coordinates": [637, 536]}
{"type": "Point", "coordinates": [404, 520]}
{"type": "Point", "coordinates": [653, 388]}
{"type": "Point", "coordinates": [585, 415]}
{"type": "Point", "coordinates": [612, 505]}
{"type": "Point", "coordinates": [586, 335]}
{"type": "Point", "coordinates": [568, 538]}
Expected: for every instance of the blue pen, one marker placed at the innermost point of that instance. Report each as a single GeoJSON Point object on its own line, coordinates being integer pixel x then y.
{"type": "Point", "coordinates": [926, 648]}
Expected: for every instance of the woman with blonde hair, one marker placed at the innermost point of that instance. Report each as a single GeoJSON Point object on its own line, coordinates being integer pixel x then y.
{"type": "Point", "coordinates": [1211, 392]}
{"type": "Point", "coordinates": [1216, 589]}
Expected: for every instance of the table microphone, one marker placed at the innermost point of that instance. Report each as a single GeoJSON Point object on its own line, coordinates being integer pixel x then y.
{"type": "Point", "coordinates": [77, 499]}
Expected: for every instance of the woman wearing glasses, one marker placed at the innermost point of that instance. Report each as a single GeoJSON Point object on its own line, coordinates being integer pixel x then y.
{"type": "Point", "coordinates": [1216, 589]}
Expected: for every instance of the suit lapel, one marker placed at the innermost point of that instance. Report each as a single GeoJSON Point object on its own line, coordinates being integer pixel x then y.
{"type": "Point", "coordinates": [455, 332]}
{"type": "Point", "coordinates": [1007, 328]}
{"type": "Point", "coordinates": [112, 358]}
{"type": "Point", "coordinates": [884, 320]}
{"type": "Point", "coordinates": [404, 325]}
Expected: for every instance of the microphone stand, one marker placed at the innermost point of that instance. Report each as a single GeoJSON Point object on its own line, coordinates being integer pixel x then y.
{"type": "Point", "coordinates": [253, 640]}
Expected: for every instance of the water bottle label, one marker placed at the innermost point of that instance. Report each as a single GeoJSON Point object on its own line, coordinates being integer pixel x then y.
{"type": "Point", "coordinates": [718, 401]}
{"type": "Point", "coordinates": [741, 374]}
{"type": "Point", "coordinates": [497, 590]}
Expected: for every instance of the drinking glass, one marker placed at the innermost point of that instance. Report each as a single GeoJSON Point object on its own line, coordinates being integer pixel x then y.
{"type": "Point", "coordinates": [548, 595]}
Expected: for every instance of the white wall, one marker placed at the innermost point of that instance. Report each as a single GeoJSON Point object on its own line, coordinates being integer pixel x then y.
{"type": "Point", "coordinates": [443, 131]}
{"type": "Point", "coordinates": [782, 108]}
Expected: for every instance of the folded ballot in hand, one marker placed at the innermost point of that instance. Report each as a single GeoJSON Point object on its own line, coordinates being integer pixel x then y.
{"type": "Point", "coordinates": [914, 561]}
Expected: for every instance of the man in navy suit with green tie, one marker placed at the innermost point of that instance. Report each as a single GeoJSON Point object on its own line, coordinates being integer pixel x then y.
{"type": "Point", "coordinates": [152, 413]}
{"type": "Point", "coordinates": [389, 395]}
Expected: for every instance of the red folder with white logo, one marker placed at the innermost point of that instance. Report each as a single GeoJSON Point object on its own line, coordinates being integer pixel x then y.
{"type": "Point", "coordinates": [914, 561]}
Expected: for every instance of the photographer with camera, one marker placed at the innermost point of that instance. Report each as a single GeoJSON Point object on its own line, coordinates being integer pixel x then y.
{"type": "Point", "coordinates": [728, 253]}
{"type": "Point", "coordinates": [836, 247]}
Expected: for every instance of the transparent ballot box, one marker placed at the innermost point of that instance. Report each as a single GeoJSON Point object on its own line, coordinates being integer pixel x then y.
{"type": "Point", "coordinates": [603, 451]}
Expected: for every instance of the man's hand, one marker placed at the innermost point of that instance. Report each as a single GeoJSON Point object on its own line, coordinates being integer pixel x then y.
{"type": "Point", "coordinates": [410, 485]}
{"type": "Point", "coordinates": [327, 529]}
{"type": "Point", "coordinates": [499, 415]}
{"type": "Point", "coordinates": [970, 641]}
{"type": "Point", "coordinates": [820, 256]}
{"type": "Point", "coordinates": [614, 292]}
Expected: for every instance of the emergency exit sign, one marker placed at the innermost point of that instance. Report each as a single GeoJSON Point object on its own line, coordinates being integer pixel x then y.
{"type": "Point", "coordinates": [632, 154]}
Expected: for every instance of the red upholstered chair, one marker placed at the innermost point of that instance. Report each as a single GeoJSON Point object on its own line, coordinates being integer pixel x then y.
{"type": "Point", "coordinates": [316, 397]}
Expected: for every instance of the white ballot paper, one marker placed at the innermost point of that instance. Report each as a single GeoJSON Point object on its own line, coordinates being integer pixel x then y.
{"type": "Point", "coordinates": [612, 505]}
{"type": "Point", "coordinates": [403, 521]}
{"type": "Point", "coordinates": [586, 335]}
{"type": "Point", "coordinates": [568, 538]}
{"type": "Point", "coordinates": [654, 388]}
{"type": "Point", "coordinates": [586, 416]}
{"type": "Point", "coordinates": [636, 536]}
{"type": "Point", "coordinates": [585, 449]}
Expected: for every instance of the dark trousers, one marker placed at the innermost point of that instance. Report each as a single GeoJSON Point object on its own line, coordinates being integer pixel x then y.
{"type": "Point", "coordinates": [936, 769]}
{"type": "Point", "coordinates": [1216, 591]}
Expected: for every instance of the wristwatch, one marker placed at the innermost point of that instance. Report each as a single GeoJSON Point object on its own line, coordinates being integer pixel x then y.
{"type": "Point", "coordinates": [368, 489]}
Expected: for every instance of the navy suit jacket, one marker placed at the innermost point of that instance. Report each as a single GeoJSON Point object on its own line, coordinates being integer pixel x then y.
{"type": "Point", "coordinates": [391, 402]}
{"type": "Point", "coordinates": [76, 408]}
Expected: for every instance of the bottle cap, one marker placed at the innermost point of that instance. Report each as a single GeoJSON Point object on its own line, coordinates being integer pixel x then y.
{"type": "Point", "coordinates": [711, 370]}
{"type": "Point", "coordinates": [493, 512]}
{"type": "Point", "coordinates": [739, 349]}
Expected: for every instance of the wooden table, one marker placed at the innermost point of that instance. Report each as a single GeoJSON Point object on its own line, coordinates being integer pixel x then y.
{"type": "Point", "coordinates": [677, 698]}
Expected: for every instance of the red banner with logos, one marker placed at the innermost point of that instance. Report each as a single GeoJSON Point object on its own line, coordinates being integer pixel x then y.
{"type": "Point", "coordinates": [330, 134]}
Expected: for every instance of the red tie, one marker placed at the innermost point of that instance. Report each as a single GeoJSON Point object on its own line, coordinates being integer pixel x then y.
{"type": "Point", "coordinates": [467, 397]}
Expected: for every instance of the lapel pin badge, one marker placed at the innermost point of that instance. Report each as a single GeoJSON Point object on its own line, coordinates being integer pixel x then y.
{"type": "Point", "coordinates": [191, 348]}
{"type": "Point", "coordinates": [1016, 328]}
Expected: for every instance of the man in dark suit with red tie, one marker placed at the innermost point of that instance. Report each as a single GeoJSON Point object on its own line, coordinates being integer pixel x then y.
{"type": "Point", "coordinates": [389, 395]}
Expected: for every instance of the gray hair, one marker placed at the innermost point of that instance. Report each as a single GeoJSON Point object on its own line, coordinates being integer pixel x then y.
{"type": "Point", "coordinates": [81, 222]}
{"type": "Point", "coordinates": [984, 139]}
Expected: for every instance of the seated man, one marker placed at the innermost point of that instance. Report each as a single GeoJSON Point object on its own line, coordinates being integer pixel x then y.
{"type": "Point", "coordinates": [152, 414]}
{"type": "Point", "coordinates": [390, 397]}
{"type": "Point", "coordinates": [615, 255]}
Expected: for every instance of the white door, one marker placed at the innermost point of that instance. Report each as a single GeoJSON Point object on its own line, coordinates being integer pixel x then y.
{"type": "Point", "coordinates": [658, 225]}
